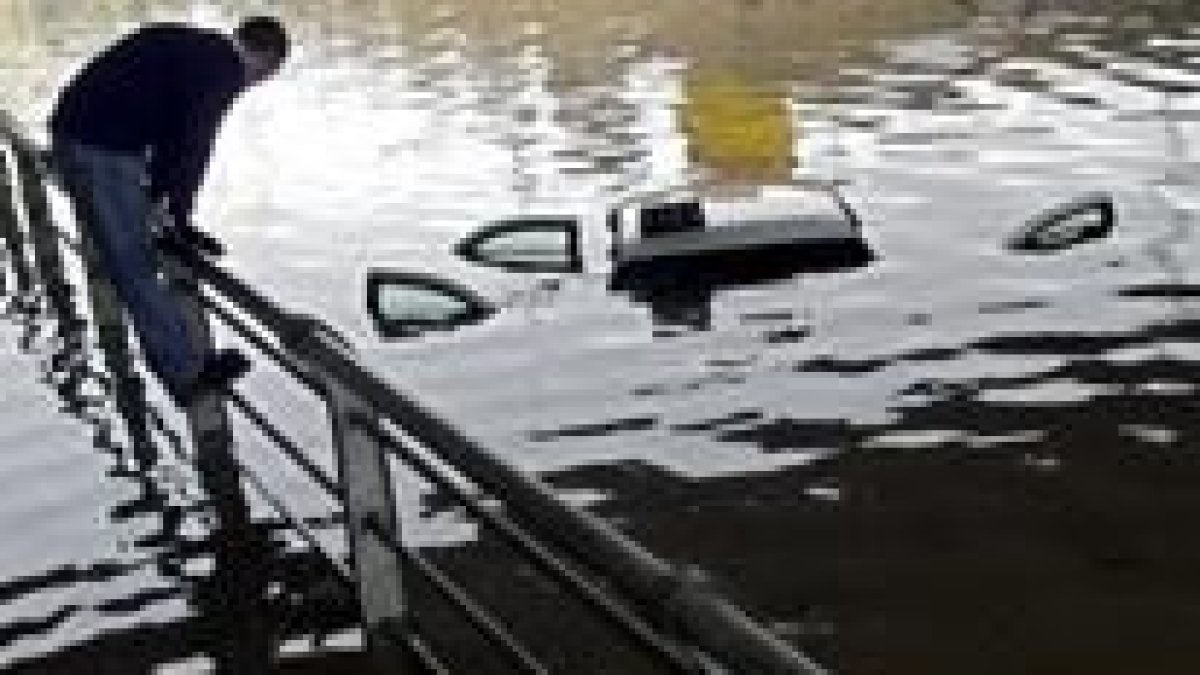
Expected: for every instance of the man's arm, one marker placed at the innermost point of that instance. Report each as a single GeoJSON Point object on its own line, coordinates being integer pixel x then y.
{"type": "Point", "coordinates": [206, 75]}
{"type": "Point", "coordinates": [179, 161]}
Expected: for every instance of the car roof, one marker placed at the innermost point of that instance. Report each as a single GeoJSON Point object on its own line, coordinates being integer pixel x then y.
{"type": "Point", "coordinates": [723, 191]}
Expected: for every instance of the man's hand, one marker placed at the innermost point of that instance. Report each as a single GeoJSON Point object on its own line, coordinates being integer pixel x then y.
{"type": "Point", "coordinates": [179, 237]}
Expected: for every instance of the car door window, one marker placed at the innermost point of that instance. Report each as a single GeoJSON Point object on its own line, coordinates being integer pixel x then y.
{"type": "Point", "coordinates": [404, 304]}
{"type": "Point", "coordinates": [526, 245]}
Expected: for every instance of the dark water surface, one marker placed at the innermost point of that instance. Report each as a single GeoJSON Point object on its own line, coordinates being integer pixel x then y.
{"type": "Point", "coordinates": [958, 458]}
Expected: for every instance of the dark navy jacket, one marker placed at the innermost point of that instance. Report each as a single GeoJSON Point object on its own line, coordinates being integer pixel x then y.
{"type": "Point", "coordinates": [162, 89]}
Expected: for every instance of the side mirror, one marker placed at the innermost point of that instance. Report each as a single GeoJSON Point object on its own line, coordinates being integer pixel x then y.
{"type": "Point", "coordinates": [533, 244]}
{"type": "Point", "coordinates": [406, 304]}
{"type": "Point", "coordinates": [1080, 220]}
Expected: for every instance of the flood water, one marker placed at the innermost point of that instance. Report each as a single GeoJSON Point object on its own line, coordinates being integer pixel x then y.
{"type": "Point", "coordinates": [958, 458]}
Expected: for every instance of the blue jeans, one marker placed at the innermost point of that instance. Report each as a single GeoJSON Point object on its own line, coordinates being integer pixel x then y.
{"type": "Point", "coordinates": [109, 193]}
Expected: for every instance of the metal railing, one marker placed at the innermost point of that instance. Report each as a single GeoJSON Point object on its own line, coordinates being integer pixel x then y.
{"type": "Point", "coordinates": [668, 610]}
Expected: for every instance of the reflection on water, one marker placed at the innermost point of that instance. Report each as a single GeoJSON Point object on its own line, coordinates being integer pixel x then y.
{"type": "Point", "coordinates": [956, 459]}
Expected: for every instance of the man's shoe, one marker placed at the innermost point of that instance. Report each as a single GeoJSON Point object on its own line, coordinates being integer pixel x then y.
{"type": "Point", "coordinates": [219, 370]}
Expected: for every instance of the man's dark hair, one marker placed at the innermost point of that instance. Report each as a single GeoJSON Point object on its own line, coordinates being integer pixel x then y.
{"type": "Point", "coordinates": [265, 34]}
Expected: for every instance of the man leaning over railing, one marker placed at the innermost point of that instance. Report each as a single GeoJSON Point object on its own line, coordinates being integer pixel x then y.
{"type": "Point", "coordinates": [132, 136]}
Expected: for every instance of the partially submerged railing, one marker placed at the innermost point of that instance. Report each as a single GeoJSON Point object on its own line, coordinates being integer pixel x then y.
{"type": "Point", "coordinates": [667, 609]}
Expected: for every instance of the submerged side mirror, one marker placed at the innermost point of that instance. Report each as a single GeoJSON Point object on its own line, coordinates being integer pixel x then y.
{"type": "Point", "coordinates": [406, 304]}
{"type": "Point", "coordinates": [533, 244]}
{"type": "Point", "coordinates": [1080, 220]}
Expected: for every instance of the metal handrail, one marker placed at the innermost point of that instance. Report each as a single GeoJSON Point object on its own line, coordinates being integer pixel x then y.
{"type": "Point", "coordinates": [723, 629]}
{"type": "Point", "coordinates": [480, 619]}
{"type": "Point", "coordinates": [679, 607]}
{"type": "Point", "coordinates": [539, 554]}
{"type": "Point", "coordinates": [294, 328]}
{"type": "Point", "coordinates": [477, 617]}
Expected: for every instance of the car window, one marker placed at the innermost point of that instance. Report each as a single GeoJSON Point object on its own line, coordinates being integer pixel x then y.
{"type": "Point", "coordinates": [404, 304]}
{"type": "Point", "coordinates": [530, 245]}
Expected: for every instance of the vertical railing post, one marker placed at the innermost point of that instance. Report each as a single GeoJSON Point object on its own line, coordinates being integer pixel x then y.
{"type": "Point", "coordinates": [372, 524]}
{"type": "Point", "coordinates": [208, 419]}
{"type": "Point", "coordinates": [10, 226]}
{"type": "Point", "coordinates": [249, 649]}
{"type": "Point", "coordinates": [34, 184]}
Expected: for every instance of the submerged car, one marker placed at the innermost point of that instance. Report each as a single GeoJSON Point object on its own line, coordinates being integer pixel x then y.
{"type": "Point", "coordinates": [656, 247]}
{"type": "Point", "coordinates": [808, 222]}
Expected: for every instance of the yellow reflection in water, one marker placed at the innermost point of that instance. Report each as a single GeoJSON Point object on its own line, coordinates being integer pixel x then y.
{"type": "Point", "coordinates": [737, 130]}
